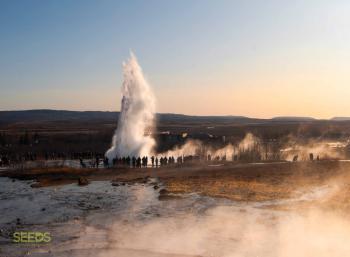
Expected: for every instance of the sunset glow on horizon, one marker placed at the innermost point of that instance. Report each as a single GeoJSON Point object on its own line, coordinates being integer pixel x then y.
{"type": "Point", "coordinates": [250, 58]}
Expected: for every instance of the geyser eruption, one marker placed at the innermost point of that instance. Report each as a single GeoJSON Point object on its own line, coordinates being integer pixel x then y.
{"type": "Point", "coordinates": [136, 120]}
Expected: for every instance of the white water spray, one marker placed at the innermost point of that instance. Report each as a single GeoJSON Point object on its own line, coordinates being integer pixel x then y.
{"type": "Point", "coordinates": [136, 121]}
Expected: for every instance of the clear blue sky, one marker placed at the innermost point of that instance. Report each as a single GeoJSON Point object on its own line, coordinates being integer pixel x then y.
{"type": "Point", "coordinates": [254, 58]}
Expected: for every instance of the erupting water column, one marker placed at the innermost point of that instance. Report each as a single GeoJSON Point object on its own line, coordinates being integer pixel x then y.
{"type": "Point", "coordinates": [136, 120]}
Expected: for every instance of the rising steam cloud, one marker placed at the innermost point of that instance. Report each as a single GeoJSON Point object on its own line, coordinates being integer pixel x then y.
{"type": "Point", "coordinates": [197, 147]}
{"type": "Point", "coordinates": [136, 120]}
{"type": "Point", "coordinates": [325, 149]}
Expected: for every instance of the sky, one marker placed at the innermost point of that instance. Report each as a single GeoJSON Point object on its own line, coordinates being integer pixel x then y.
{"type": "Point", "coordinates": [202, 57]}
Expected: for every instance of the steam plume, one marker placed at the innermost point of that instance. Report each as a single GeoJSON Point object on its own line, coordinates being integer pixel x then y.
{"type": "Point", "coordinates": [136, 120]}
{"type": "Point", "coordinates": [195, 147]}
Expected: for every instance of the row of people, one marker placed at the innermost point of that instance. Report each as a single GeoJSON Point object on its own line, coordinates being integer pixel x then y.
{"type": "Point", "coordinates": [138, 162]}
{"type": "Point", "coordinates": [144, 161]}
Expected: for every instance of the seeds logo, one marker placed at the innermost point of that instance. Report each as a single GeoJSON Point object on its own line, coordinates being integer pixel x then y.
{"type": "Point", "coordinates": [31, 237]}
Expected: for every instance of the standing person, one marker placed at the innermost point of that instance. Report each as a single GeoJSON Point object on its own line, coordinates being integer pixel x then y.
{"type": "Point", "coordinates": [139, 162]}
{"type": "Point", "coordinates": [156, 162]}
{"type": "Point", "coordinates": [311, 155]}
{"type": "Point", "coordinates": [105, 162]}
{"type": "Point", "coordinates": [82, 164]}
{"type": "Point", "coordinates": [133, 162]}
{"type": "Point", "coordinates": [127, 160]}
{"type": "Point", "coordinates": [97, 161]}
{"type": "Point", "coordinates": [152, 161]}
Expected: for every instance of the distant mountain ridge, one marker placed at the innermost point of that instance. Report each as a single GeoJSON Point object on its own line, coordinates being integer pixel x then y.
{"type": "Point", "coordinates": [293, 118]}
{"type": "Point", "coordinates": [47, 115]}
{"type": "Point", "coordinates": [341, 118]}
{"type": "Point", "coordinates": [54, 115]}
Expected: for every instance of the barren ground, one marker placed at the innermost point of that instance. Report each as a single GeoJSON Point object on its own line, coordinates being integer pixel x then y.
{"type": "Point", "coordinates": [239, 182]}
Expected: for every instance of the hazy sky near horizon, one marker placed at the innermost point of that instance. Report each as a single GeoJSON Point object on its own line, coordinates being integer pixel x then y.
{"type": "Point", "coordinates": [205, 57]}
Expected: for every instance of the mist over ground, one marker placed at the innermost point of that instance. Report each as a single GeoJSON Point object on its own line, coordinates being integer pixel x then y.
{"type": "Point", "coordinates": [273, 210]}
{"type": "Point", "coordinates": [150, 177]}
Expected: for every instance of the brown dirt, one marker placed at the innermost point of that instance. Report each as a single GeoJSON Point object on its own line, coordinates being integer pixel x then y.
{"type": "Point", "coordinates": [240, 182]}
